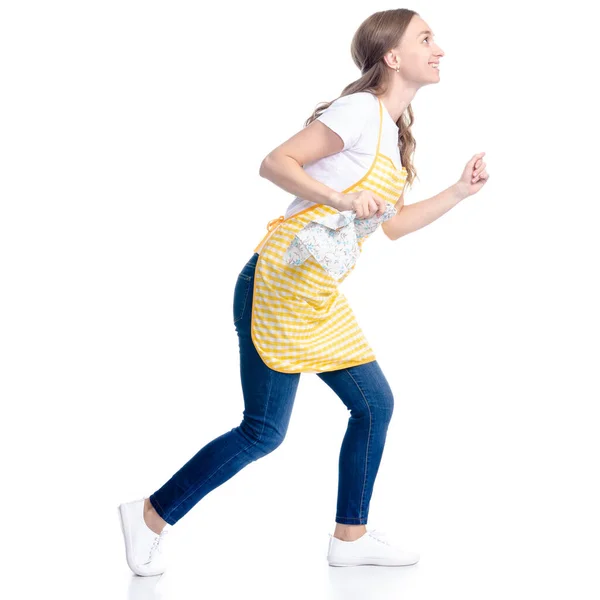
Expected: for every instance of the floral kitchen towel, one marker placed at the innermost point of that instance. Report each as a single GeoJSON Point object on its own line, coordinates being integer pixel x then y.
{"type": "Point", "coordinates": [333, 240]}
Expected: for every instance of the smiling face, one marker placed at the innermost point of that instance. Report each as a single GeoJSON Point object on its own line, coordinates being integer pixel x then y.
{"type": "Point", "coordinates": [415, 53]}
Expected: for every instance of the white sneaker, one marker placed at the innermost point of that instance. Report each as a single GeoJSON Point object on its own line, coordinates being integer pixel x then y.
{"type": "Point", "coordinates": [372, 548]}
{"type": "Point", "coordinates": [143, 547]}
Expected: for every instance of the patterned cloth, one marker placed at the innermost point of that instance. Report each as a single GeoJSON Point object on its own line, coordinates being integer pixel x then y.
{"type": "Point", "coordinates": [333, 240]}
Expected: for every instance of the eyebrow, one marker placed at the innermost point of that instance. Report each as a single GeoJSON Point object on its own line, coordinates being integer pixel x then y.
{"type": "Point", "coordinates": [426, 31]}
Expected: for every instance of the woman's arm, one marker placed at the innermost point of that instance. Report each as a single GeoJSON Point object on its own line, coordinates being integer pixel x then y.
{"type": "Point", "coordinates": [414, 216]}
{"type": "Point", "coordinates": [284, 165]}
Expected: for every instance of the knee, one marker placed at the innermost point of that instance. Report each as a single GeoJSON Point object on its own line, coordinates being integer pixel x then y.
{"type": "Point", "coordinates": [384, 407]}
{"type": "Point", "coordinates": [268, 443]}
{"type": "Point", "coordinates": [271, 444]}
{"type": "Point", "coordinates": [378, 409]}
{"type": "Point", "coordinates": [263, 439]}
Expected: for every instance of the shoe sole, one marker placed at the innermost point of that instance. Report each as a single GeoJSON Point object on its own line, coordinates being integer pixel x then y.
{"type": "Point", "coordinates": [371, 562]}
{"type": "Point", "coordinates": [127, 537]}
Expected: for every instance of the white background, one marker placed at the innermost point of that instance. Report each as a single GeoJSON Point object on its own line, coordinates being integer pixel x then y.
{"type": "Point", "coordinates": [131, 139]}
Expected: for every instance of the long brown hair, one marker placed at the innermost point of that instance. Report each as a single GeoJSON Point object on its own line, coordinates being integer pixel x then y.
{"type": "Point", "coordinates": [375, 36]}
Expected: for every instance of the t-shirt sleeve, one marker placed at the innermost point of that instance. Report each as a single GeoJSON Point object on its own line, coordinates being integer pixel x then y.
{"type": "Point", "coordinates": [348, 116]}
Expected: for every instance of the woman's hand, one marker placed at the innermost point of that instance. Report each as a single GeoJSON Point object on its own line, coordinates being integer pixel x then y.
{"type": "Point", "coordinates": [365, 203]}
{"type": "Point", "coordinates": [473, 177]}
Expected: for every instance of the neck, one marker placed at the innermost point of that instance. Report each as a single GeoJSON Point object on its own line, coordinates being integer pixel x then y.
{"type": "Point", "coordinates": [397, 97]}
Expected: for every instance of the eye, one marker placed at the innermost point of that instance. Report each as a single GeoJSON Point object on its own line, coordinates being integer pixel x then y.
{"type": "Point", "coordinates": [426, 38]}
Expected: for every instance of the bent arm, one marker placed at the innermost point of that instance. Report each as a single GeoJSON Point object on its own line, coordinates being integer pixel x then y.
{"type": "Point", "coordinates": [284, 165]}
{"type": "Point", "coordinates": [286, 173]}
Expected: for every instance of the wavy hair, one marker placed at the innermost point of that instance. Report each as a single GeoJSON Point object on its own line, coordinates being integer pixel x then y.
{"type": "Point", "coordinates": [372, 40]}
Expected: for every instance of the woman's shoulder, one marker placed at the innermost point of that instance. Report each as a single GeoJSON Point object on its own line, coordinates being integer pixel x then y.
{"type": "Point", "coordinates": [350, 116]}
{"type": "Point", "coordinates": [359, 99]}
{"type": "Point", "coordinates": [357, 108]}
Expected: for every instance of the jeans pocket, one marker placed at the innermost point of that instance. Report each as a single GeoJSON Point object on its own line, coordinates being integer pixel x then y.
{"type": "Point", "coordinates": [240, 296]}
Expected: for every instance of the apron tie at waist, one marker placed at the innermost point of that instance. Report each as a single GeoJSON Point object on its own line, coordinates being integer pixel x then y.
{"type": "Point", "coordinates": [270, 226]}
{"type": "Point", "coordinates": [274, 222]}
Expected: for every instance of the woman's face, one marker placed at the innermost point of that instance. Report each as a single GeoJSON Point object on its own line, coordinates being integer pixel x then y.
{"type": "Point", "coordinates": [416, 51]}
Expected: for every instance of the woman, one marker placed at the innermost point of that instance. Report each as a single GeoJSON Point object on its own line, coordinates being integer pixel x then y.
{"type": "Point", "coordinates": [287, 310]}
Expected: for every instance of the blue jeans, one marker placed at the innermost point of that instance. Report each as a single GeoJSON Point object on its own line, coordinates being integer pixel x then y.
{"type": "Point", "coordinates": [268, 398]}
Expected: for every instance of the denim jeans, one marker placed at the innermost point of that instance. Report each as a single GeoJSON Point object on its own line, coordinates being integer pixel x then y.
{"type": "Point", "coordinates": [268, 399]}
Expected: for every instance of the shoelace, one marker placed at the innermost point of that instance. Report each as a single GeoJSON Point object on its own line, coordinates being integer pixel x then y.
{"type": "Point", "coordinates": [380, 536]}
{"type": "Point", "coordinates": [156, 547]}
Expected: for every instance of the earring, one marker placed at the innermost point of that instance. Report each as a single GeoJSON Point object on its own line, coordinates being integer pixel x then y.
{"type": "Point", "coordinates": [397, 69]}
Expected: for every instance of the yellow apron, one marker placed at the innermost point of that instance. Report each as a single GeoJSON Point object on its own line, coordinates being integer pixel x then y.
{"type": "Point", "coordinates": [301, 322]}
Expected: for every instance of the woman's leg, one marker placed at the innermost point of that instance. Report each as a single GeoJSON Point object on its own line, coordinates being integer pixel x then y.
{"type": "Point", "coordinates": [268, 399]}
{"type": "Point", "coordinates": [367, 394]}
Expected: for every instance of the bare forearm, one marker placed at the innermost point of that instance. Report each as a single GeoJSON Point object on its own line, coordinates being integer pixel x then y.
{"type": "Point", "coordinates": [286, 173]}
{"type": "Point", "coordinates": [415, 216]}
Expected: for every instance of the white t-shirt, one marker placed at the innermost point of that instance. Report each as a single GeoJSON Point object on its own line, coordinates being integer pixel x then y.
{"type": "Point", "coordinates": [355, 118]}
